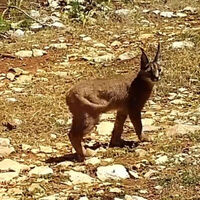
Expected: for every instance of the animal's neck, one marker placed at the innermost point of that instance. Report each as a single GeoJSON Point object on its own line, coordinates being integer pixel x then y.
{"type": "Point", "coordinates": [143, 81]}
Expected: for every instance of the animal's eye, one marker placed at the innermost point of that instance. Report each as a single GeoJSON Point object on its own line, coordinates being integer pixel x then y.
{"type": "Point", "coordinates": [159, 70]}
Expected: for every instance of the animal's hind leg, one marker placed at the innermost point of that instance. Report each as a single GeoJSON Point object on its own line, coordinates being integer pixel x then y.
{"type": "Point", "coordinates": [81, 125]}
{"type": "Point", "coordinates": [116, 140]}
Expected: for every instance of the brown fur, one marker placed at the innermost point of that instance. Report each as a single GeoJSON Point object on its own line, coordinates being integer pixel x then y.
{"type": "Point", "coordinates": [126, 94]}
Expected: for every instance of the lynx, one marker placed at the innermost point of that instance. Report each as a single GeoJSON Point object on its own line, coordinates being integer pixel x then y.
{"type": "Point", "coordinates": [125, 94]}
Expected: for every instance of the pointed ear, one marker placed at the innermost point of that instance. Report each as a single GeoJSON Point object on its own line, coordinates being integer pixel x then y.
{"type": "Point", "coordinates": [144, 59]}
{"type": "Point", "coordinates": [157, 54]}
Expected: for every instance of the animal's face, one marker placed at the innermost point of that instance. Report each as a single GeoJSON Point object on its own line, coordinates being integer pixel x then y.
{"type": "Point", "coordinates": [153, 71]}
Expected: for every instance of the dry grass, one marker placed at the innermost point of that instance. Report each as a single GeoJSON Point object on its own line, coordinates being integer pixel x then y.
{"type": "Point", "coordinates": [42, 109]}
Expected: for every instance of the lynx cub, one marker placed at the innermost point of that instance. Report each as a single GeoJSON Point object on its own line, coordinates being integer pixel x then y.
{"type": "Point", "coordinates": [126, 94]}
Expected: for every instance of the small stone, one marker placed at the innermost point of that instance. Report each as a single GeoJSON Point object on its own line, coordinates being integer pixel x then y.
{"type": "Point", "coordinates": [105, 58]}
{"type": "Point", "coordinates": [181, 129]}
{"type": "Point", "coordinates": [26, 147]}
{"type": "Point", "coordinates": [7, 165]}
{"type": "Point", "coordinates": [178, 102]}
{"type": "Point", "coordinates": [6, 177]}
{"type": "Point", "coordinates": [190, 9]}
{"type": "Point", "coordinates": [115, 190]}
{"type": "Point", "coordinates": [116, 44]}
{"type": "Point", "coordinates": [115, 172]}
{"type": "Point", "coordinates": [93, 161]}
{"type": "Point", "coordinates": [34, 13]}
{"type": "Point", "coordinates": [62, 75]}
{"type": "Point", "coordinates": [126, 56]}
{"type": "Point", "coordinates": [141, 152]}
{"type": "Point", "coordinates": [123, 12]}
{"type": "Point", "coordinates": [105, 128]}
{"type": "Point", "coordinates": [58, 45]}
{"type": "Point", "coordinates": [167, 14]}
{"type": "Point", "coordinates": [128, 197]}
{"type": "Point", "coordinates": [182, 44]}
{"type": "Point", "coordinates": [38, 52]}
{"type": "Point", "coordinates": [161, 160]}
{"type": "Point", "coordinates": [24, 79]}
{"type": "Point", "coordinates": [58, 25]}
{"type": "Point", "coordinates": [10, 76]}
{"type": "Point", "coordinates": [41, 171]}
{"type": "Point", "coordinates": [36, 188]}
{"type": "Point", "coordinates": [18, 33]}
{"type": "Point", "coordinates": [46, 149]}
{"type": "Point", "coordinates": [99, 45]}
{"type": "Point", "coordinates": [147, 122]}
{"type": "Point", "coordinates": [65, 164]}
{"type": "Point", "coordinates": [181, 14]}
{"type": "Point", "coordinates": [158, 187]}
{"type": "Point", "coordinates": [134, 174]}
{"type": "Point", "coordinates": [150, 173]}
{"type": "Point", "coordinates": [53, 136]}
{"type": "Point", "coordinates": [24, 54]}
{"type": "Point", "coordinates": [86, 39]}
{"type": "Point", "coordinates": [78, 177]}
{"type": "Point", "coordinates": [12, 100]}
{"type": "Point", "coordinates": [83, 198]}
{"type": "Point", "coordinates": [36, 27]}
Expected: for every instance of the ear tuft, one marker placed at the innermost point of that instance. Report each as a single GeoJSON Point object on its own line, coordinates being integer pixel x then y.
{"type": "Point", "coordinates": [157, 54]}
{"type": "Point", "coordinates": [144, 60]}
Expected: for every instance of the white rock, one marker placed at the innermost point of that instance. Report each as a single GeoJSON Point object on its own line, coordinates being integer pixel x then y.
{"type": "Point", "coordinates": [181, 14]}
{"type": "Point", "coordinates": [26, 147]}
{"type": "Point", "coordinates": [83, 198]}
{"type": "Point", "coordinates": [24, 54]}
{"type": "Point", "coordinates": [87, 38]}
{"type": "Point", "coordinates": [78, 177]}
{"type": "Point", "coordinates": [115, 190]}
{"type": "Point", "coordinates": [58, 45]}
{"type": "Point", "coordinates": [178, 101]}
{"type": "Point", "coordinates": [10, 76]}
{"type": "Point", "coordinates": [147, 122]}
{"type": "Point", "coordinates": [181, 129]}
{"type": "Point", "coordinates": [52, 197]}
{"type": "Point", "coordinates": [24, 79]}
{"type": "Point", "coordinates": [99, 45]}
{"type": "Point", "coordinates": [7, 165]}
{"type": "Point", "coordinates": [128, 197]}
{"type": "Point", "coordinates": [36, 26]}
{"type": "Point", "coordinates": [93, 161]}
{"type": "Point", "coordinates": [133, 174]}
{"type": "Point", "coordinates": [105, 128]}
{"type": "Point", "coordinates": [116, 44]}
{"type": "Point", "coordinates": [46, 149]}
{"type": "Point", "coordinates": [18, 33]}
{"type": "Point", "coordinates": [123, 12]}
{"type": "Point", "coordinates": [161, 160]}
{"type": "Point", "coordinates": [190, 9]}
{"type": "Point", "coordinates": [8, 176]}
{"type": "Point", "coordinates": [140, 152]}
{"type": "Point", "coordinates": [12, 100]}
{"type": "Point", "coordinates": [58, 25]}
{"type": "Point", "coordinates": [62, 75]}
{"type": "Point", "coordinates": [34, 13]}
{"type": "Point", "coordinates": [115, 172]}
{"type": "Point", "coordinates": [150, 173]}
{"type": "Point", "coordinates": [182, 44]}
{"type": "Point", "coordinates": [5, 147]}
{"type": "Point", "coordinates": [41, 171]}
{"type": "Point", "coordinates": [105, 58]}
{"type": "Point", "coordinates": [126, 56]}
{"type": "Point", "coordinates": [38, 52]}
{"type": "Point", "coordinates": [167, 14]}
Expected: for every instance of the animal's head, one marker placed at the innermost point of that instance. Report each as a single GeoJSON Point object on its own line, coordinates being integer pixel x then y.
{"type": "Point", "coordinates": [151, 70]}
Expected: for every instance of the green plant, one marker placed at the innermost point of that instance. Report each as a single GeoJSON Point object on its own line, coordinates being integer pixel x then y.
{"type": "Point", "coordinates": [4, 25]}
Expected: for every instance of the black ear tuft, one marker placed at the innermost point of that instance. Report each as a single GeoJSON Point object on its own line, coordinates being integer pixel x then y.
{"type": "Point", "coordinates": [157, 54]}
{"type": "Point", "coordinates": [144, 60]}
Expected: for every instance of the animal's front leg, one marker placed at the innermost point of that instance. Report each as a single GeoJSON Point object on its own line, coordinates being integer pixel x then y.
{"type": "Point", "coordinates": [116, 140]}
{"type": "Point", "coordinates": [135, 117]}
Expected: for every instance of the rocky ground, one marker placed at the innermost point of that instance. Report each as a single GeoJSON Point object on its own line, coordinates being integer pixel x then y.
{"type": "Point", "coordinates": [39, 64]}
